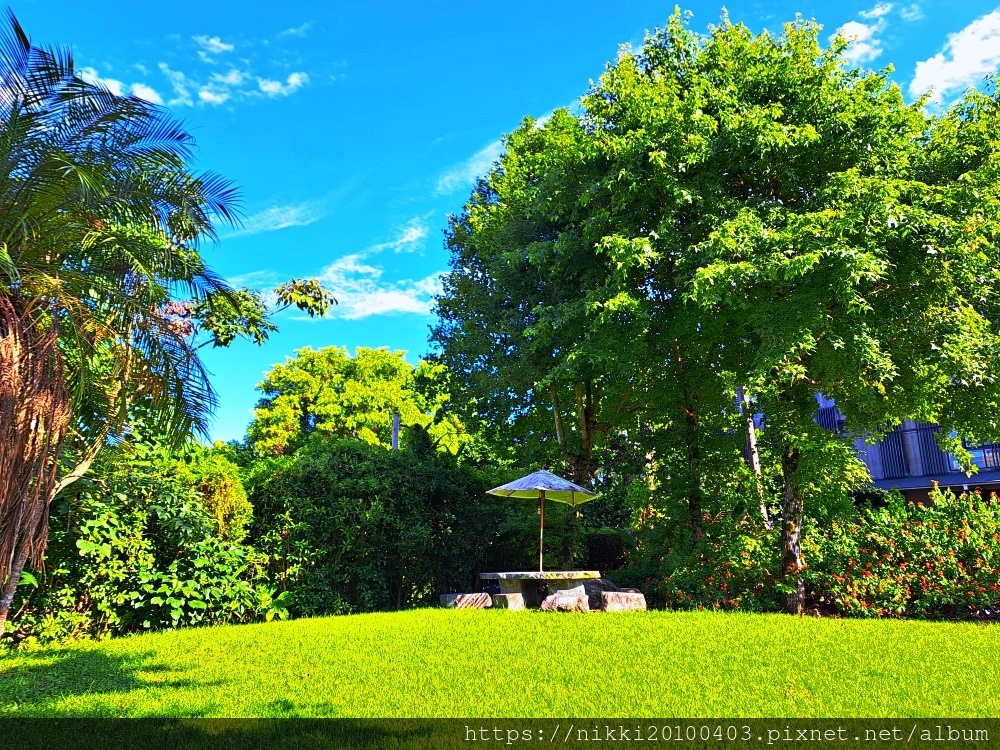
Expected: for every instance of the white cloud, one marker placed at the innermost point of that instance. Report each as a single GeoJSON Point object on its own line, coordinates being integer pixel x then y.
{"type": "Point", "coordinates": [864, 42]}
{"type": "Point", "coordinates": [911, 12]}
{"type": "Point", "coordinates": [882, 9]}
{"type": "Point", "coordinates": [409, 237]}
{"type": "Point", "coordinates": [465, 174]}
{"type": "Point", "coordinates": [361, 292]}
{"type": "Point", "coordinates": [968, 56]}
{"type": "Point", "coordinates": [277, 88]}
{"type": "Point", "coordinates": [213, 44]}
{"type": "Point", "coordinates": [213, 97]}
{"type": "Point", "coordinates": [278, 217]}
{"type": "Point", "coordinates": [146, 92]}
{"type": "Point", "coordinates": [116, 87]}
{"type": "Point", "coordinates": [90, 76]}
{"type": "Point", "coordinates": [254, 280]}
{"type": "Point", "coordinates": [233, 78]}
{"type": "Point", "coordinates": [298, 30]}
{"type": "Point", "coordinates": [179, 83]}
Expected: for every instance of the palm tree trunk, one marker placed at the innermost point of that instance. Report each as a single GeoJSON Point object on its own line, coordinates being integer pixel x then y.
{"type": "Point", "coordinates": [10, 587]}
{"type": "Point", "coordinates": [34, 414]}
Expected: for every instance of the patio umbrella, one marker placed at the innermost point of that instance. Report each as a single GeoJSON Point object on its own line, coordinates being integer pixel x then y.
{"type": "Point", "coordinates": [544, 484]}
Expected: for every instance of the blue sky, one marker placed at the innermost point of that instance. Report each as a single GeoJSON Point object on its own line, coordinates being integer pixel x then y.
{"type": "Point", "coordinates": [354, 129]}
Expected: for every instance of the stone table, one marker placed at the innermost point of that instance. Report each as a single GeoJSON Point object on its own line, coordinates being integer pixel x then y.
{"type": "Point", "coordinates": [569, 582]}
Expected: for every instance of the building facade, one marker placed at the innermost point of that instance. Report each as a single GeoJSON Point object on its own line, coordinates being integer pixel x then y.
{"type": "Point", "coordinates": [909, 459]}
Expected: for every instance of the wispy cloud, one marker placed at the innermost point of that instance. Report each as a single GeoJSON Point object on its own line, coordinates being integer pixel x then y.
{"type": "Point", "coordinates": [911, 12]}
{"type": "Point", "coordinates": [880, 10]}
{"type": "Point", "coordinates": [233, 78]}
{"type": "Point", "coordinates": [278, 217]}
{"type": "Point", "coordinates": [465, 174]}
{"type": "Point", "coordinates": [408, 239]}
{"type": "Point", "coordinates": [203, 70]}
{"type": "Point", "coordinates": [146, 92]}
{"type": "Point", "coordinates": [213, 44]}
{"type": "Point", "coordinates": [180, 85]}
{"type": "Point", "coordinates": [116, 87]}
{"type": "Point", "coordinates": [254, 280]}
{"type": "Point", "coordinates": [362, 292]}
{"type": "Point", "coordinates": [298, 30]}
{"type": "Point", "coordinates": [968, 56]}
{"type": "Point", "coordinates": [357, 280]}
{"type": "Point", "coordinates": [865, 44]}
{"type": "Point", "coordinates": [213, 97]}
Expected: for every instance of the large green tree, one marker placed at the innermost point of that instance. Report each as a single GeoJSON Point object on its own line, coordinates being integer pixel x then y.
{"type": "Point", "coordinates": [761, 217]}
{"type": "Point", "coordinates": [327, 394]}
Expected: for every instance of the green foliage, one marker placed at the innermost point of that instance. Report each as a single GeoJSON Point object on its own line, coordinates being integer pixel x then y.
{"type": "Point", "coordinates": [733, 565]}
{"type": "Point", "coordinates": [354, 527]}
{"type": "Point", "coordinates": [328, 394]}
{"type": "Point", "coordinates": [926, 560]}
{"type": "Point", "coordinates": [152, 542]}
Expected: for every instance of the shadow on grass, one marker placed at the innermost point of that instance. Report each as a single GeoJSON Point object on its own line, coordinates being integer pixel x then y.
{"type": "Point", "coordinates": [228, 734]}
{"type": "Point", "coordinates": [41, 680]}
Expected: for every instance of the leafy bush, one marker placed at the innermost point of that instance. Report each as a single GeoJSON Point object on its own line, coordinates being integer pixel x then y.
{"type": "Point", "coordinates": [939, 559]}
{"type": "Point", "coordinates": [354, 527]}
{"type": "Point", "coordinates": [733, 565]}
{"type": "Point", "coordinates": [140, 547]}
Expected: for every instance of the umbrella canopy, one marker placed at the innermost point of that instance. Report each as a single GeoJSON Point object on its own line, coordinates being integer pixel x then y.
{"type": "Point", "coordinates": [554, 488]}
{"type": "Point", "coordinates": [542, 485]}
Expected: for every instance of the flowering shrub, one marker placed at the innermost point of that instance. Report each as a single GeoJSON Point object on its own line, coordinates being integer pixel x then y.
{"type": "Point", "coordinates": [939, 559]}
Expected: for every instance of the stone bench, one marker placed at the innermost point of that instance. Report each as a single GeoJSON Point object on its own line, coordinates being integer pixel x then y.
{"type": "Point", "coordinates": [525, 583]}
{"type": "Point", "coordinates": [466, 601]}
{"type": "Point", "coordinates": [622, 601]}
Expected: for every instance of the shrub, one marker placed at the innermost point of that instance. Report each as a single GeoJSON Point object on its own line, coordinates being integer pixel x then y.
{"type": "Point", "coordinates": [939, 559]}
{"type": "Point", "coordinates": [354, 527]}
{"type": "Point", "coordinates": [732, 566]}
{"type": "Point", "coordinates": [137, 548]}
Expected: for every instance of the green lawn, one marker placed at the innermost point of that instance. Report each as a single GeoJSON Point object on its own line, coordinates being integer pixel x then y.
{"type": "Point", "coordinates": [530, 664]}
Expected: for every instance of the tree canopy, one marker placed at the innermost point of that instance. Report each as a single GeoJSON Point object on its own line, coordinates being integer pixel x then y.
{"type": "Point", "coordinates": [731, 212]}
{"type": "Point", "coordinates": [328, 394]}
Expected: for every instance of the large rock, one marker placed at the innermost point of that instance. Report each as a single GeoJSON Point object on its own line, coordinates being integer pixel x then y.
{"type": "Point", "coordinates": [508, 601]}
{"type": "Point", "coordinates": [622, 601]}
{"type": "Point", "coordinates": [594, 587]}
{"type": "Point", "coordinates": [466, 601]}
{"type": "Point", "coordinates": [560, 602]}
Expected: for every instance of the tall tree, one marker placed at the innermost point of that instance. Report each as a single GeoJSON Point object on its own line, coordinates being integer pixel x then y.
{"type": "Point", "coordinates": [100, 222]}
{"type": "Point", "coordinates": [328, 394]}
{"type": "Point", "coordinates": [529, 325]}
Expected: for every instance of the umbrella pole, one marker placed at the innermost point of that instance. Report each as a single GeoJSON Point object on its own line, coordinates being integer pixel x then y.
{"type": "Point", "coordinates": [541, 531]}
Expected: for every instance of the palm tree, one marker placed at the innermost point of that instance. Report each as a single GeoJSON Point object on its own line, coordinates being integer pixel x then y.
{"type": "Point", "coordinates": [100, 223]}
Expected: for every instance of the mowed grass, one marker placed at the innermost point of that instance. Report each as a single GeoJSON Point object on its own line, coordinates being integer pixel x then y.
{"type": "Point", "coordinates": [447, 663]}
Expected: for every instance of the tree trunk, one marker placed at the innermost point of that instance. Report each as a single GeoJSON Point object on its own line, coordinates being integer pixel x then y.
{"type": "Point", "coordinates": [560, 432]}
{"type": "Point", "coordinates": [694, 465]}
{"type": "Point", "coordinates": [10, 587]}
{"type": "Point", "coordinates": [792, 508]}
{"type": "Point", "coordinates": [34, 414]}
{"type": "Point", "coordinates": [586, 417]}
{"type": "Point", "coordinates": [747, 411]}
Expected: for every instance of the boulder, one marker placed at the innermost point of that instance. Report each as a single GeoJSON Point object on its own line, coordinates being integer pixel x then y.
{"type": "Point", "coordinates": [594, 587]}
{"type": "Point", "coordinates": [466, 601]}
{"type": "Point", "coordinates": [622, 601]}
{"type": "Point", "coordinates": [508, 601]}
{"type": "Point", "coordinates": [560, 602]}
